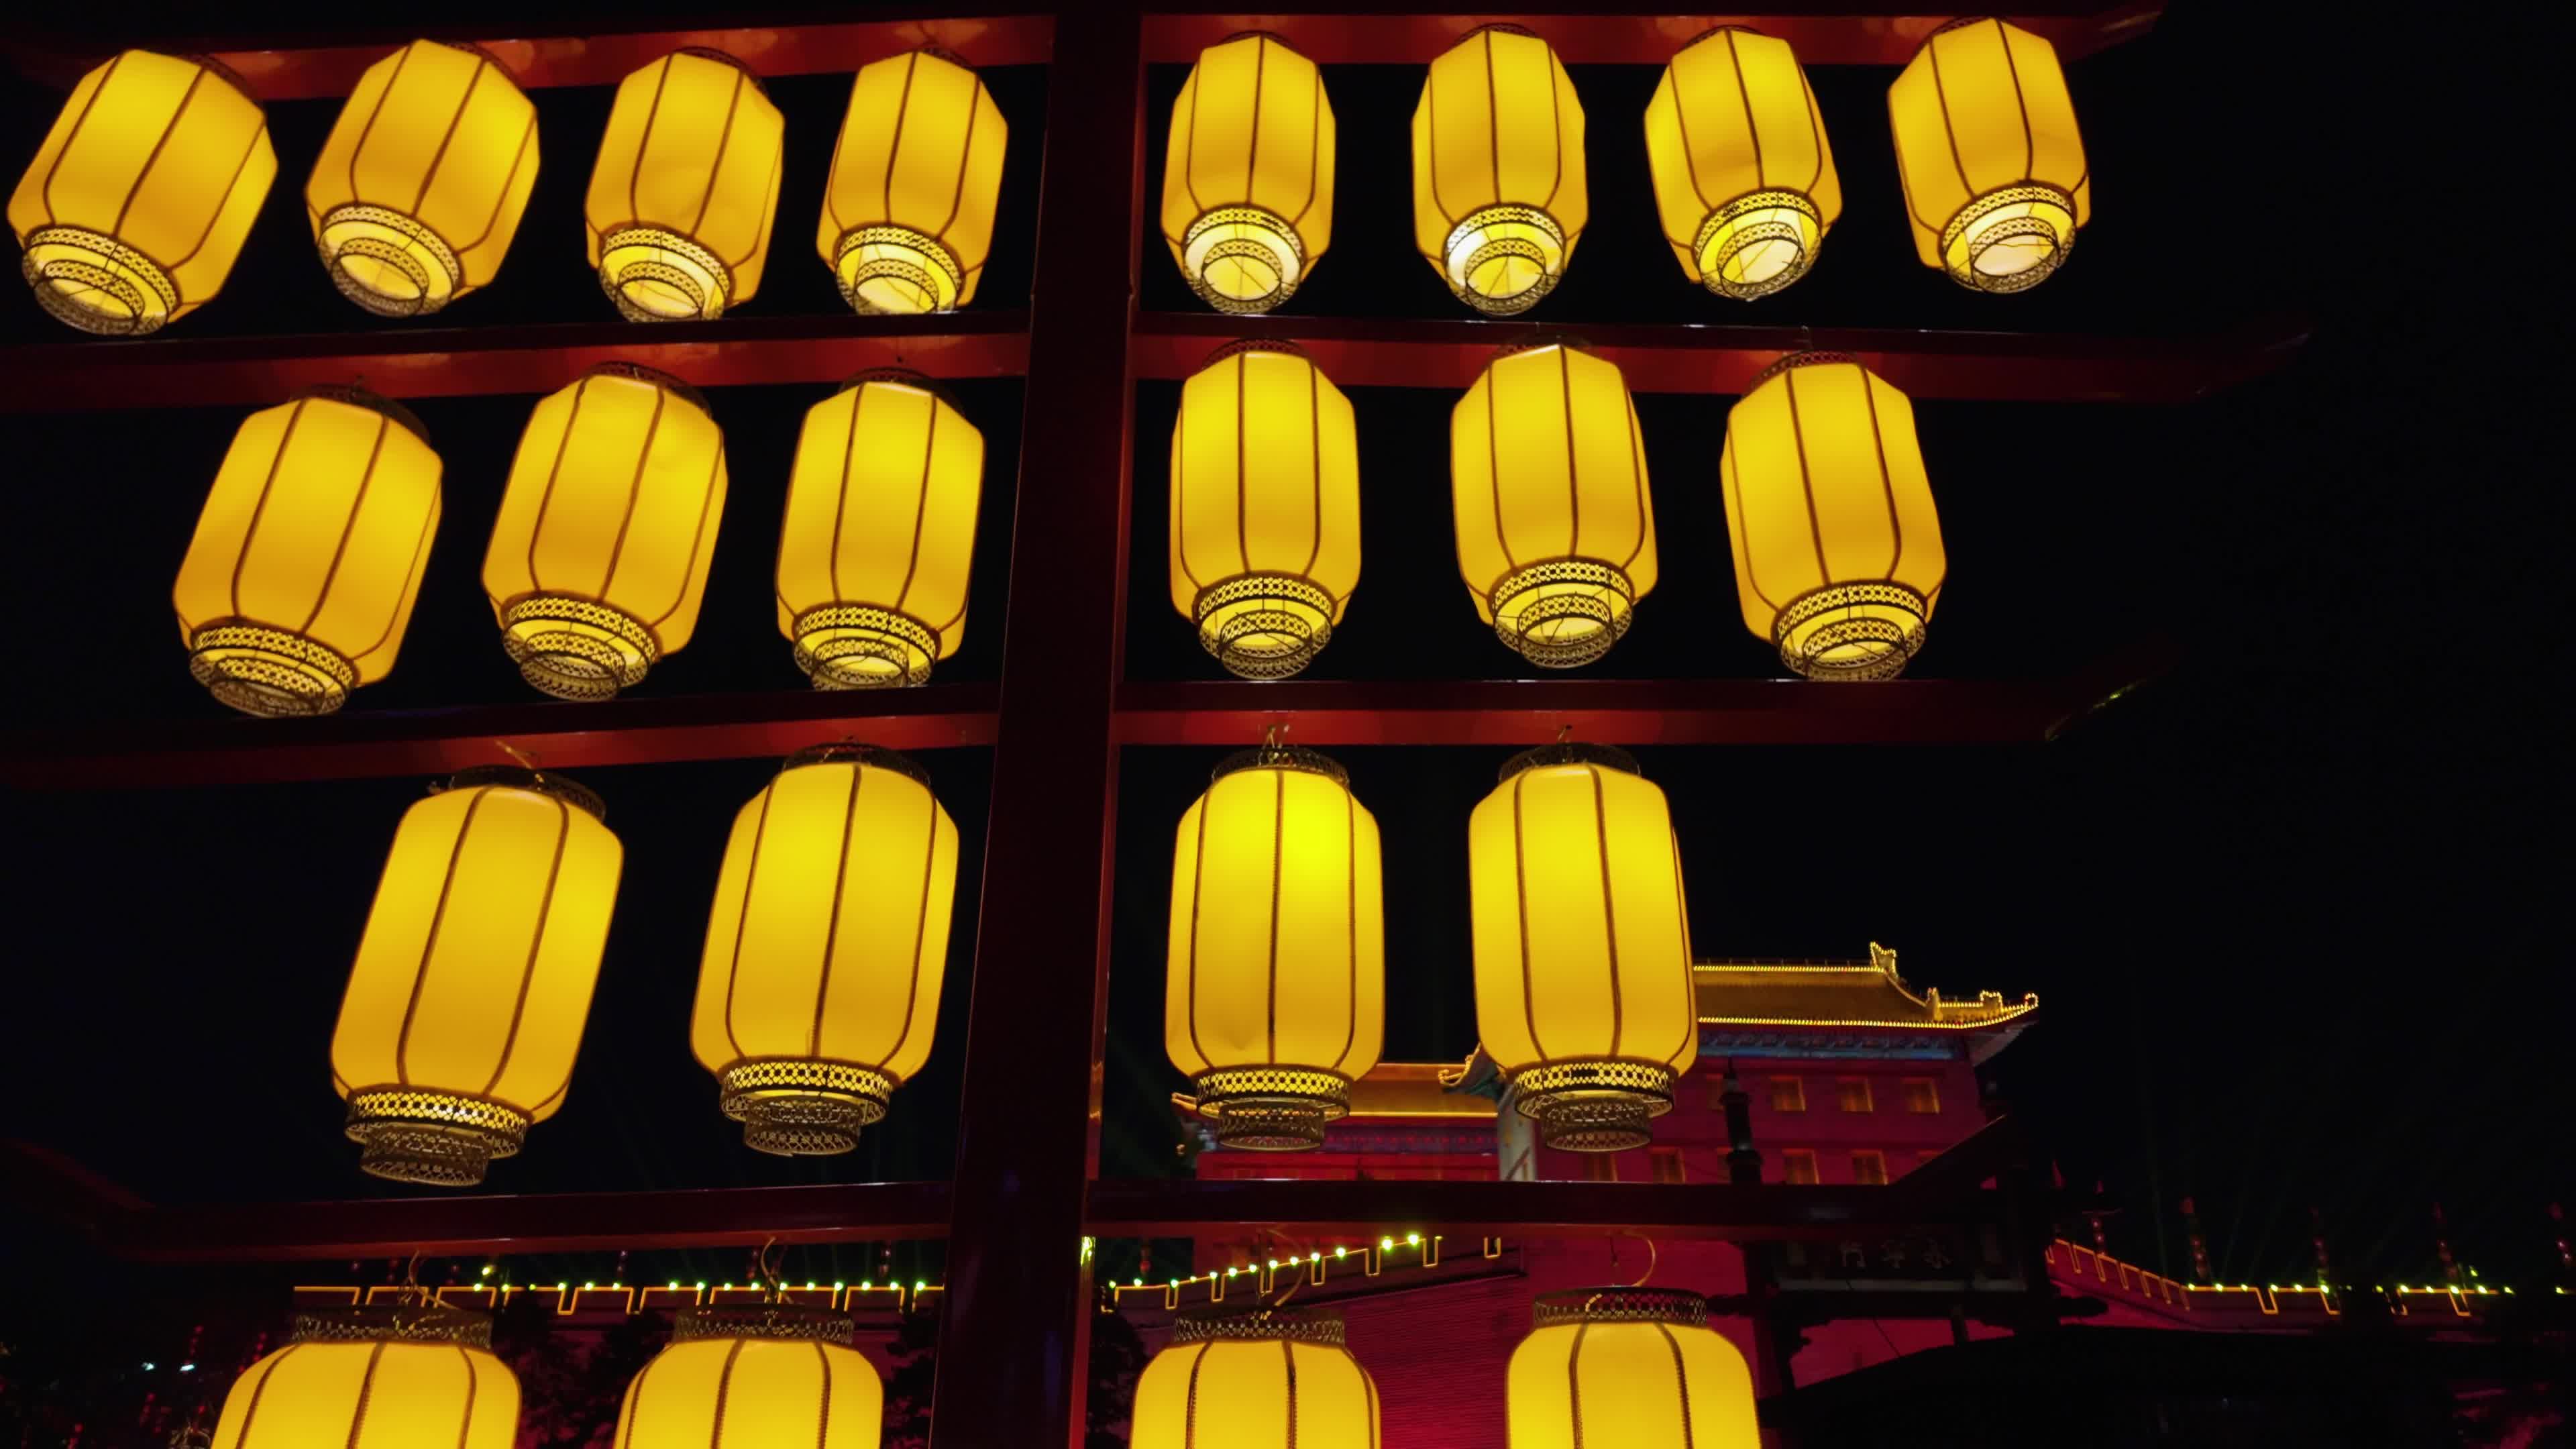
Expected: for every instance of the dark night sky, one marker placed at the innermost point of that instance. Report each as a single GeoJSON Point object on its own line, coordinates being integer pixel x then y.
{"type": "Point", "coordinates": [2285, 908]}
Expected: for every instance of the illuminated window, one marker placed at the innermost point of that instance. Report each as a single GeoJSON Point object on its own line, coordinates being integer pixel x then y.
{"type": "Point", "coordinates": [1600, 1167]}
{"type": "Point", "coordinates": [1667, 1163]}
{"type": "Point", "coordinates": [1852, 1094]}
{"type": "Point", "coordinates": [1869, 1168]}
{"type": "Point", "coordinates": [1922, 1094]}
{"type": "Point", "coordinates": [1788, 1094]}
{"type": "Point", "coordinates": [1798, 1165]}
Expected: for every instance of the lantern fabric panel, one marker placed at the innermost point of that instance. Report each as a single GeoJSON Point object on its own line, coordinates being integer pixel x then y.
{"type": "Point", "coordinates": [826, 948]}
{"type": "Point", "coordinates": [1554, 516]}
{"type": "Point", "coordinates": [372, 1395]}
{"type": "Point", "coordinates": [685, 189]}
{"type": "Point", "coordinates": [299, 582]}
{"type": "Point", "coordinates": [916, 180]}
{"type": "Point", "coordinates": [1990, 156]}
{"type": "Point", "coordinates": [599, 555]}
{"type": "Point", "coordinates": [1743, 175]}
{"type": "Point", "coordinates": [1499, 190]}
{"type": "Point", "coordinates": [1248, 174]}
{"type": "Point", "coordinates": [139, 200]}
{"type": "Point", "coordinates": [1274, 1379]}
{"type": "Point", "coordinates": [419, 188]}
{"type": "Point", "coordinates": [1837, 546]}
{"type": "Point", "coordinates": [1639, 1368]}
{"type": "Point", "coordinates": [464, 1010]}
{"type": "Point", "coordinates": [877, 547]}
{"type": "Point", "coordinates": [718, 1388]}
{"type": "Point", "coordinates": [1265, 525]}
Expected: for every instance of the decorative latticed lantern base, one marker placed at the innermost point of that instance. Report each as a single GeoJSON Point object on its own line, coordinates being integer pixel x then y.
{"type": "Point", "coordinates": [1757, 244]}
{"type": "Point", "coordinates": [894, 271]}
{"type": "Point", "coordinates": [1264, 626]}
{"type": "Point", "coordinates": [1272, 1109]}
{"type": "Point", "coordinates": [269, 672]}
{"type": "Point", "coordinates": [1242, 259]}
{"type": "Point", "coordinates": [575, 648]}
{"type": "Point", "coordinates": [785, 1321]}
{"type": "Point", "coordinates": [1563, 613]}
{"type": "Point", "coordinates": [1619, 1305]}
{"type": "Point", "coordinates": [1601, 1105]}
{"type": "Point", "coordinates": [1258, 1325]}
{"type": "Point", "coordinates": [1502, 259]}
{"type": "Point", "coordinates": [387, 262]}
{"type": "Point", "coordinates": [860, 646]}
{"type": "Point", "coordinates": [439, 1139]}
{"type": "Point", "coordinates": [418, 1321]}
{"type": "Point", "coordinates": [2009, 239]}
{"type": "Point", "coordinates": [655, 275]}
{"type": "Point", "coordinates": [799, 1107]}
{"type": "Point", "coordinates": [96, 283]}
{"type": "Point", "coordinates": [1855, 632]}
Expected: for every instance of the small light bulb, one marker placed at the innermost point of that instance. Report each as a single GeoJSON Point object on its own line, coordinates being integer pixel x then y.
{"type": "Point", "coordinates": [1385, 1244]}
{"type": "Point", "coordinates": [149, 1366]}
{"type": "Point", "coordinates": [920, 1284]}
{"type": "Point", "coordinates": [837, 1287]}
{"type": "Point", "coordinates": [187, 1368]}
{"type": "Point", "coordinates": [702, 1285]}
{"type": "Point", "coordinates": [487, 1270]}
{"type": "Point", "coordinates": [1414, 1238]}
{"type": "Point", "coordinates": [586, 1287]}
{"type": "Point", "coordinates": [1314, 1257]}
{"type": "Point", "coordinates": [1341, 1252]}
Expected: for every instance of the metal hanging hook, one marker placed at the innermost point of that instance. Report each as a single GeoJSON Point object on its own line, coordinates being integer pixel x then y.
{"type": "Point", "coordinates": [768, 1270]}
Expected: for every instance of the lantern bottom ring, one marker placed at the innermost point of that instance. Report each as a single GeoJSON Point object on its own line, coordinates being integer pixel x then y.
{"type": "Point", "coordinates": [1758, 244]}
{"type": "Point", "coordinates": [1264, 626]}
{"type": "Point", "coordinates": [1562, 613]}
{"type": "Point", "coordinates": [437, 1139]}
{"type": "Point", "coordinates": [654, 275]}
{"type": "Point", "coordinates": [96, 283]}
{"type": "Point", "coordinates": [1594, 1104]}
{"type": "Point", "coordinates": [1271, 1109]}
{"type": "Point", "coordinates": [1501, 260]}
{"type": "Point", "coordinates": [1242, 259]}
{"type": "Point", "coordinates": [803, 1106]}
{"type": "Point", "coordinates": [273, 673]}
{"type": "Point", "coordinates": [575, 648]}
{"type": "Point", "coordinates": [894, 271]}
{"type": "Point", "coordinates": [860, 646]}
{"type": "Point", "coordinates": [1851, 632]}
{"type": "Point", "coordinates": [387, 262]}
{"type": "Point", "coordinates": [2009, 239]}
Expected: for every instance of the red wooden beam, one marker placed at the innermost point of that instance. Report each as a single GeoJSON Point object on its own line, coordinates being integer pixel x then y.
{"type": "Point", "coordinates": [482, 361]}
{"type": "Point", "coordinates": [1685, 358]}
{"type": "Point", "coordinates": [1707, 1211]}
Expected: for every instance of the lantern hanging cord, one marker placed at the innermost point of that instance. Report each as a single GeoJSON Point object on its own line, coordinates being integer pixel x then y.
{"type": "Point", "coordinates": [767, 1269]}
{"type": "Point", "coordinates": [1653, 1257]}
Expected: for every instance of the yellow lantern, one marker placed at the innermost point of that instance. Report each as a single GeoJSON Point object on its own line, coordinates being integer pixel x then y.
{"type": "Point", "coordinates": [299, 583]}
{"type": "Point", "coordinates": [1989, 155]}
{"type": "Point", "coordinates": [138, 201]}
{"type": "Point", "coordinates": [916, 175]}
{"type": "Point", "coordinates": [388, 1376]}
{"type": "Point", "coordinates": [464, 1011]}
{"type": "Point", "coordinates": [1498, 181]}
{"type": "Point", "coordinates": [878, 543]}
{"type": "Point", "coordinates": [1582, 942]}
{"type": "Point", "coordinates": [819, 991]}
{"type": "Point", "coordinates": [1274, 995]}
{"type": "Point", "coordinates": [599, 555]}
{"type": "Point", "coordinates": [1555, 522]}
{"type": "Point", "coordinates": [420, 186]}
{"type": "Point", "coordinates": [685, 189]}
{"type": "Point", "coordinates": [1635, 1367]}
{"type": "Point", "coordinates": [1744, 178]}
{"type": "Point", "coordinates": [1269, 1379]}
{"type": "Point", "coordinates": [1265, 460]}
{"type": "Point", "coordinates": [1248, 173]}
{"type": "Point", "coordinates": [751, 1377]}
{"type": "Point", "coordinates": [1838, 556]}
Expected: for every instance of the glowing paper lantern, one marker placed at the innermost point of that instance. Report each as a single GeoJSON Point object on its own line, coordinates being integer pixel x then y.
{"type": "Point", "coordinates": [465, 1009]}
{"type": "Point", "coordinates": [1989, 154]}
{"type": "Point", "coordinates": [1838, 556]}
{"type": "Point", "coordinates": [1248, 173]}
{"type": "Point", "coordinates": [1274, 994]}
{"type": "Point", "coordinates": [1635, 1367]}
{"type": "Point", "coordinates": [819, 991]}
{"type": "Point", "coordinates": [599, 556]}
{"type": "Point", "coordinates": [420, 186]}
{"type": "Point", "coordinates": [1744, 178]}
{"type": "Point", "coordinates": [1271, 1379]}
{"type": "Point", "coordinates": [1499, 198]}
{"type": "Point", "coordinates": [1555, 521]}
{"type": "Point", "coordinates": [685, 189]}
{"type": "Point", "coordinates": [138, 201]}
{"type": "Point", "coordinates": [407, 1376]}
{"type": "Point", "coordinates": [753, 1377]}
{"type": "Point", "coordinates": [878, 544]}
{"type": "Point", "coordinates": [299, 583]}
{"type": "Point", "coordinates": [1583, 963]}
{"type": "Point", "coordinates": [1265, 508]}
{"type": "Point", "coordinates": [916, 176]}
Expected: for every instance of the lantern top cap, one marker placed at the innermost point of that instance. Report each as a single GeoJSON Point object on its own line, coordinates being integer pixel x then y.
{"type": "Point", "coordinates": [1540, 341]}
{"type": "Point", "coordinates": [1619, 1305]}
{"type": "Point", "coordinates": [653, 377]}
{"type": "Point", "coordinates": [1569, 752]}
{"type": "Point", "coordinates": [479, 53]}
{"type": "Point", "coordinates": [1282, 757]}
{"type": "Point", "coordinates": [709, 52]}
{"type": "Point", "coordinates": [211, 66]}
{"type": "Point", "coordinates": [1273, 36]}
{"type": "Point", "coordinates": [853, 752]}
{"type": "Point", "coordinates": [1241, 345]}
{"type": "Point", "coordinates": [1961, 22]}
{"type": "Point", "coordinates": [787, 1321]}
{"type": "Point", "coordinates": [356, 396]}
{"type": "Point", "coordinates": [1259, 1325]}
{"type": "Point", "coordinates": [1715, 31]}
{"type": "Point", "coordinates": [408, 1322]}
{"type": "Point", "coordinates": [543, 782]}
{"type": "Point", "coordinates": [1805, 357]}
{"type": "Point", "coordinates": [903, 376]}
{"type": "Point", "coordinates": [1500, 27]}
